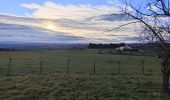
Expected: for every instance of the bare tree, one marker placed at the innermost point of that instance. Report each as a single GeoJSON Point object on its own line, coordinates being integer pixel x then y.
{"type": "Point", "coordinates": [153, 16]}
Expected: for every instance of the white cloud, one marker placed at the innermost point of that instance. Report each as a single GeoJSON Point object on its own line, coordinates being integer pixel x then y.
{"type": "Point", "coordinates": [113, 2]}
{"type": "Point", "coordinates": [53, 10]}
{"type": "Point", "coordinates": [86, 21]}
{"type": "Point", "coordinates": [31, 6]}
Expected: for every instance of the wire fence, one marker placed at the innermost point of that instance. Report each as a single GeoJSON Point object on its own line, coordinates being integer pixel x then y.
{"type": "Point", "coordinates": [70, 66]}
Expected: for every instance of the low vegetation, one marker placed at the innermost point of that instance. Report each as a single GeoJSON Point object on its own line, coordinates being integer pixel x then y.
{"type": "Point", "coordinates": [25, 83]}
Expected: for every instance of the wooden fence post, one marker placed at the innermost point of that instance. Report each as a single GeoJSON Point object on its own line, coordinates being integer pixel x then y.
{"type": "Point", "coordinates": [41, 66]}
{"type": "Point", "coordinates": [68, 65]}
{"type": "Point", "coordinates": [119, 67]}
{"type": "Point", "coordinates": [94, 69]}
{"type": "Point", "coordinates": [9, 67]}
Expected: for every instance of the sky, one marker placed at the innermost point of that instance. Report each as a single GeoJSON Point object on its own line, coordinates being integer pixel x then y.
{"type": "Point", "coordinates": [14, 6]}
{"type": "Point", "coordinates": [64, 21]}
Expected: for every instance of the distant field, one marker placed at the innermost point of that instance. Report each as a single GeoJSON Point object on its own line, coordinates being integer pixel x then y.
{"type": "Point", "coordinates": [25, 83]}
{"type": "Point", "coordinates": [81, 61]}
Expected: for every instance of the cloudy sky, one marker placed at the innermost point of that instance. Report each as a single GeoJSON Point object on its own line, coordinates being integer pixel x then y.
{"type": "Point", "coordinates": [64, 21]}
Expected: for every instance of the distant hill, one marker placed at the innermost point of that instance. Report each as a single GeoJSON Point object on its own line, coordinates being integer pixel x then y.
{"type": "Point", "coordinates": [39, 46]}
{"type": "Point", "coordinates": [54, 46]}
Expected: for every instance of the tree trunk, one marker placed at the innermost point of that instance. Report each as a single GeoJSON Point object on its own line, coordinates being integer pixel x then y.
{"type": "Point", "coordinates": [165, 83]}
{"type": "Point", "coordinates": [166, 73]}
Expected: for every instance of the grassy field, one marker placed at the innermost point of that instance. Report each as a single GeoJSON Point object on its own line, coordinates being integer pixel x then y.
{"type": "Point", "coordinates": [24, 83]}
{"type": "Point", "coordinates": [81, 61]}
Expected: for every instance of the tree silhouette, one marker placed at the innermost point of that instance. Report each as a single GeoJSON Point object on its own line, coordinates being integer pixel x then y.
{"type": "Point", "coordinates": [153, 16]}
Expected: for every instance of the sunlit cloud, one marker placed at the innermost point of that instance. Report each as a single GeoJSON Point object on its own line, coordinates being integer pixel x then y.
{"type": "Point", "coordinates": [59, 11]}
{"type": "Point", "coordinates": [31, 6]}
{"type": "Point", "coordinates": [82, 23]}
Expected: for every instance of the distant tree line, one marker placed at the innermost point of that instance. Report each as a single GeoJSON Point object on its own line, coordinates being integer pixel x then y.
{"type": "Point", "coordinates": [100, 45]}
{"type": "Point", "coordinates": [7, 49]}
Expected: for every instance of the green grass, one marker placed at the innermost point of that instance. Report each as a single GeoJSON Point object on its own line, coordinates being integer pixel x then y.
{"type": "Point", "coordinates": [81, 87]}
{"type": "Point", "coordinates": [27, 62]}
{"type": "Point", "coordinates": [25, 83]}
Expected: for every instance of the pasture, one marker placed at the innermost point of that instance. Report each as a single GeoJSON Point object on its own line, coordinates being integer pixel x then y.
{"type": "Point", "coordinates": [110, 81]}
{"type": "Point", "coordinates": [80, 61]}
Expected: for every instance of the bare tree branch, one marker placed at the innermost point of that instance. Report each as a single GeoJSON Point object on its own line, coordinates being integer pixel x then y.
{"type": "Point", "coordinates": [117, 28]}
